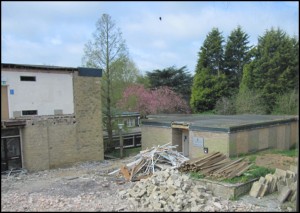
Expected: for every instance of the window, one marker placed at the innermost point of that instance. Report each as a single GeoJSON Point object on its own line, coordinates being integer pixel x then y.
{"type": "Point", "coordinates": [29, 112]}
{"type": "Point", "coordinates": [131, 122]}
{"type": "Point", "coordinates": [27, 78]}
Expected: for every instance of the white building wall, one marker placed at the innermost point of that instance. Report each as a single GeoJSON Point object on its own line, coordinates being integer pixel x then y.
{"type": "Point", "coordinates": [49, 92]}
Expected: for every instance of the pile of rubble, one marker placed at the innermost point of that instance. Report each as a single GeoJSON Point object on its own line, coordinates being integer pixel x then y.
{"type": "Point", "coordinates": [170, 190]}
{"type": "Point", "coordinates": [285, 182]}
{"type": "Point", "coordinates": [150, 161]}
{"type": "Point", "coordinates": [216, 165]}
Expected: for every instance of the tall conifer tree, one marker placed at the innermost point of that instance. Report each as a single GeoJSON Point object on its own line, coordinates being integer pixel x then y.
{"type": "Point", "coordinates": [209, 82]}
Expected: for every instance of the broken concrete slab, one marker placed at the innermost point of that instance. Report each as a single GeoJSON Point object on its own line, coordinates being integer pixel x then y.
{"type": "Point", "coordinates": [280, 173]}
{"type": "Point", "coordinates": [256, 189]}
{"type": "Point", "coordinates": [284, 193]}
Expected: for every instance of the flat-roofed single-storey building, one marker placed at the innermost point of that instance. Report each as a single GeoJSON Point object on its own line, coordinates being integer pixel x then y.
{"type": "Point", "coordinates": [50, 116]}
{"type": "Point", "coordinates": [197, 135]}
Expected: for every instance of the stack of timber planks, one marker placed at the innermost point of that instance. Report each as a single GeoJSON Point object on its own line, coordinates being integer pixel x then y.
{"type": "Point", "coordinates": [216, 165]}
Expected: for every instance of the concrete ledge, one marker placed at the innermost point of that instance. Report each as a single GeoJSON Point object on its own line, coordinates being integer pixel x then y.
{"type": "Point", "coordinates": [227, 190]}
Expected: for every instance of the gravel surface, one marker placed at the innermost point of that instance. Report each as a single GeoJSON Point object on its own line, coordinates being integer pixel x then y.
{"type": "Point", "coordinates": [83, 187]}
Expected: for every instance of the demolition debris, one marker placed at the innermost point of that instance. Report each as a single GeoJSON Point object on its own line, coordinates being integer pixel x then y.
{"type": "Point", "coordinates": [150, 161]}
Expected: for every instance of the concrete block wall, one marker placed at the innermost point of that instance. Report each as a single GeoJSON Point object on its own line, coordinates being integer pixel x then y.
{"type": "Point", "coordinates": [153, 136]}
{"type": "Point", "coordinates": [89, 136]}
{"type": "Point", "coordinates": [35, 148]}
{"type": "Point", "coordinates": [214, 141]}
{"type": "Point", "coordinates": [62, 141]}
{"type": "Point", "coordinates": [47, 145]}
{"type": "Point", "coordinates": [282, 136]}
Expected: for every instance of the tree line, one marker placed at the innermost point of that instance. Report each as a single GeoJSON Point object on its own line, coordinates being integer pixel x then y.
{"type": "Point", "coordinates": [250, 79]}
{"type": "Point", "coordinates": [231, 77]}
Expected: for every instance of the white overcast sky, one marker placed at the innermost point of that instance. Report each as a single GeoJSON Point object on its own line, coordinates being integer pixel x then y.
{"type": "Point", "coordinates": [54, 33]}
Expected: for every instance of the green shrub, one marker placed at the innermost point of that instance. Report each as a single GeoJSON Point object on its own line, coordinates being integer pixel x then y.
{"type": "Point", "coordinates": [249, 102]}
{"type": "Point", "coordinates": [287, 104]}
{"type": "Point", "coordinates": [225, 106]}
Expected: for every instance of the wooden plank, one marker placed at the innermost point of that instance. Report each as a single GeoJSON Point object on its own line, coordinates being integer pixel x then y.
{"type": "Point", "coordinates": [226, 160]}
{"type": "Point", "coordinates": [207, 158]}
{"type": "Point", "coordinates": [210, 169]}
{"type": "Point", "coordinates": [237, 169]}
{"type": "Point", "coordinates": [213, 161]}
{"type": "Point", "coordinates": [228, 166]}
{"type": "Point", "coordinates": [136, 168]}
{"type": "Point", "coordinates": [205, 162]}
{"type": "Point", "coordinates": [220, 165]}
{"type": "Point", "coordinates": [243, 170]}
{"type": "Point", "coordinates": [125, 172]}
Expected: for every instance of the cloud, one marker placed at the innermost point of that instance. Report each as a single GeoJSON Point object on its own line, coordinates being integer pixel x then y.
{"type": "Point", "coordinates": [56, 40]}
{"type": "Point", "coordinates": [160, 44]}
{"type": "Point", "coordinates": [55, 32]}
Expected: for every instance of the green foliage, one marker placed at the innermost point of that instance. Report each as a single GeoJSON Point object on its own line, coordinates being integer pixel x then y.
{"type": "Point", "coordinates": [196, 175]}
{"type": "Point", "coordinates": [206, 90]}
{"type": "Point", "coordinates": [179, 80]}
{"type": "Point", "coordinates": [236, 56]}
{"type": "Point", "coordinates": [209, 83]}
{"type": "Point", "coordinates": [249, 102]}
{"type": "Point", "coordinates": [252, 158]}
{"type": "Point", "coordinates": [275, 67]}
{"type": "Point", "coordinates": [287, 104]}
{"type": "Point", "coordinates": [123, 74]}
{"type": "Point", "coordinates": [107, 50]}
{"type": "Point", "coordinates": [143, 80]}
{"type": "Point", "coordinates": [226, 106]}
{"type": "Point", "coordinates": [289, 153]}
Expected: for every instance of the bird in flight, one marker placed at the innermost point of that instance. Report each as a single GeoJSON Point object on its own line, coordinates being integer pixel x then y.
{"type": "Point", "coordinates": [160, 18]}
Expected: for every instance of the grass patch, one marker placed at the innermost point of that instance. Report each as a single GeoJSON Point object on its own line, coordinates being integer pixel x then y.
{"type": "Point", "coordinates": [196, 175]}
{"type": "Point", "coordinates": [293, 152]}
{"type": "Point", "coordinates": [126, 152]}
{"type": "Point", "coordinates": [253, 173]}
{"type": "Point", "coordinates": [289, 153]}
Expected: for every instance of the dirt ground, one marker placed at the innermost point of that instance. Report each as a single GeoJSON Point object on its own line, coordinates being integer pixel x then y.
{"type": "Point", "coordinates": [88, 187]}
{"type": "Point", "coordinates": [276, 161]}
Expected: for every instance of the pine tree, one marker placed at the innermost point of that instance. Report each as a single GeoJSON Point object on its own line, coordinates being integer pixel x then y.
{"type": "Point", "coordinates": [209, 83]}
{"type": "Point", "coordinates": [236, 56]}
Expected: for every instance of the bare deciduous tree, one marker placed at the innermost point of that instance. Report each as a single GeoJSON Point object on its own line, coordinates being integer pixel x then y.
{"type": "Point", "coordinates": [105, 48]}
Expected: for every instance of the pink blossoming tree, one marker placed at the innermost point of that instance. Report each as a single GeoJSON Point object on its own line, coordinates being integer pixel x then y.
{"type": "Point", "coordinates": [146, 101]}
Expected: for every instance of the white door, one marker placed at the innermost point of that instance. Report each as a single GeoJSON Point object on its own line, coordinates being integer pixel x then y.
{"type": "Point", "coordinates": [185, 143]}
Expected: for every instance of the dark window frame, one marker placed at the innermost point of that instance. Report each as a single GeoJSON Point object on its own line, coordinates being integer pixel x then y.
{"type": "Point", "coordinates": [29, 112]}
{"type": "Point", "coordinates": [27, 78]}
